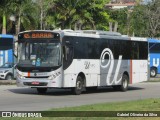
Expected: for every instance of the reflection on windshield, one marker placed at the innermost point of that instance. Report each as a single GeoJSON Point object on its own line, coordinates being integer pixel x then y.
{"type": "Point", "coordinates": [39, 54]}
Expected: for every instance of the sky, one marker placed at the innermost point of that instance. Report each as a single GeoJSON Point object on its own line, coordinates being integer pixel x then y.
{"type": "Point", "coordinates": [146, 1]}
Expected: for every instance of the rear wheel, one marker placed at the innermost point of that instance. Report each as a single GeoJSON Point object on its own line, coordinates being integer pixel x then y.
{"type": "Point", "coordinates": [124, 84]}
{"type": "Point", "coordinates": [79, 86]}
{"type": "Point", "coordinates": [42, 90]}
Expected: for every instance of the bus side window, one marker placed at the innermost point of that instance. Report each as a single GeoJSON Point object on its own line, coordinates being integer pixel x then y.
{"type": "Point", "coordinates": [135, 50]}
{"type": "Point", "coordinates": [67, 55]}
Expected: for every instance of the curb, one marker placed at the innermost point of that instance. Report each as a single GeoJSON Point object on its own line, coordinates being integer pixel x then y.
{"type": "Point", "coordinates": [7, 82]}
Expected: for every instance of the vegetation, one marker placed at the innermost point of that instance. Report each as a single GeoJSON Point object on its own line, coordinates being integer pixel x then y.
{"type": "Point", "coordinates": [138, 105]}
{"type": "Point", "coordinates": [143, 20]}
{"type": "Point", "coordinates": [55, 14]}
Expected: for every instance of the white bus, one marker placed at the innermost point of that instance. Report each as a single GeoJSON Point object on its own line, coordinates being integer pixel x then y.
{"type": "Point", "coordinates": [80, 60]}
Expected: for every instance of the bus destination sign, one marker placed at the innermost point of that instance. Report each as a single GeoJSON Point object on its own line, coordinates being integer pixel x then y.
{"type": "Point", "coordinates": [38, 35]}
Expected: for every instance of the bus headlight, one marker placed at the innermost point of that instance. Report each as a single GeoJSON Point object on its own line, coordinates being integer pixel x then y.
{"type": "Point", "coordinates": [20, 76]}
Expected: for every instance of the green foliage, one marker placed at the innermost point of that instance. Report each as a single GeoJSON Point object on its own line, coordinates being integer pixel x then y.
{"type": "Point", "coordinates": [121, 17]}
{"type": "Point", "coordinates": [78, 14]}
{"type": "Point", "coordinates": [137, 105]}
{"type": "Point", "coordinates": [24, 12]}
{"type": "Point", "coordinates": [141, 21]}
{"type": "Point", "coordinates": [53, 14]}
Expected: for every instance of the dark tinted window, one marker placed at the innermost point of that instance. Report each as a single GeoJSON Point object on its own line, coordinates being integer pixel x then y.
{"type": "Point", "coordinates": [135, 50]}
{"type": "Point", "coordinates": [91, 48]}
{"type": "Point", "coordinates": [6, 43]}
{"type": "Point", "coordinates": [154, 48]}
{"type": "Point", "coordinates": [143, 51]}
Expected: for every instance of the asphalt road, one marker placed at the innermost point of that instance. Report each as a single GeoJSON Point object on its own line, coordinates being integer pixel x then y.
{"type": "Point", "coordinates": [13, 98]}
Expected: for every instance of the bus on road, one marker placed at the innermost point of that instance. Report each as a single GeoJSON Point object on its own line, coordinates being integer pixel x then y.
{"type": "Point", "coordinates": [154, 54]}
{"type": "Point", "coordinates": [80, 60]}
{"type": "Point", "coordinates": [6, 56]}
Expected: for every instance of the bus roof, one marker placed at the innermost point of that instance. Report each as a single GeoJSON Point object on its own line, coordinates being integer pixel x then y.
{"type": "Point", "coordinates": [150, 40]}
{"type": "Point", "coordinates": [94, 34]}
{"type": "Point", "coordinates": [138, 38]}
{"type": "Point", "coordinates": [6, 36]}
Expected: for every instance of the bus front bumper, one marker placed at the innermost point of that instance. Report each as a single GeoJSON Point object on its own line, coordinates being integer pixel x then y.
{"type": "Point", "coordinates": [41, 82]}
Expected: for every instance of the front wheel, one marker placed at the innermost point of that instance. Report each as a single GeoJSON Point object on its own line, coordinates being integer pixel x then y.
{"type": "Point", "coordinates": [42, 90]}
{"type": "Point", "coordinates": [9, 77]}
{"type": "Point", "coordinates": [79, 86]}
{"type": "Point", "coordinates": [153, 72]}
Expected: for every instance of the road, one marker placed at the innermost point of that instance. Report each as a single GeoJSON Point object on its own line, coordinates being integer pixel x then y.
{"type": "Point", "coordinates": [14, 98]}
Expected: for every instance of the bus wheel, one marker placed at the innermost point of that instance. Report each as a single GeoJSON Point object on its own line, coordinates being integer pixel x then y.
{"type": "Point", "coordinates": [153, 72]}
{"type": "Point", "coordinates": [124, 85]}
{"type": "Point", "coordinates": [42, 90]}
{"type": "Point", "coordinates": [79, 86]}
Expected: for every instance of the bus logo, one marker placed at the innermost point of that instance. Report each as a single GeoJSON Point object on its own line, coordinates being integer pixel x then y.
{"type": "Point", "coordinates": [35, 74]}
{"type": "Point", "coordinates": [156, 62]}
{"type": "Point", "coordinates": [110, 64]}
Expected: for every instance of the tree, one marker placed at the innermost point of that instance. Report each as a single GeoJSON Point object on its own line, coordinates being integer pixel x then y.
{"type": "Point", "coordinates": [5, 10]}
{"type": "Point", "coordinates": [26, 14]}
{"type": "Point", "coordinates": [146, 19]}
{"type": "Point", "coordinates": [152, 13]}
{"type": "Point", "coordinates": [139, 22]}
{"type": "Point", "coordinates": [120, 16]}
{"type": "Point", "coordinates": [78, 14]}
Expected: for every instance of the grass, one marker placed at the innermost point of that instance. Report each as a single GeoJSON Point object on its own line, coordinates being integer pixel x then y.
{"type": "Point", "coordinates": [154, 80]}
{"type": "Point", "coordinates": [138, 105]}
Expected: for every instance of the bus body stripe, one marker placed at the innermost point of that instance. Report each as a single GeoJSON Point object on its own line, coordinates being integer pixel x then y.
{"type": "Point", "coordinates": [29, 74]}
{"type": "Point", "coordinates": [131, 72]}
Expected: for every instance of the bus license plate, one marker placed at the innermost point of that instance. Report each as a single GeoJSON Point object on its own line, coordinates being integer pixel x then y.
{"type": "Point", "coordinates": [35, 83]}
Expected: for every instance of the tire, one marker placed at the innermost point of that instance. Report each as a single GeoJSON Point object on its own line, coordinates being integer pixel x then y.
{"type": "Point", "coordinates": [41, 90]}
{"type": "Point", "coordinates": [9, 77]}
{"type": "Point", "coordinates": [124, 84]}
{"type": "Point", "coordinates": [153, 72]}
{"type": "Point", "coordinates": [79, 86]}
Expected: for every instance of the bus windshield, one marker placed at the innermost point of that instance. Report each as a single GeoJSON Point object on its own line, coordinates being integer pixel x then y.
{"type": "Point", "coordinates": [40, 54]}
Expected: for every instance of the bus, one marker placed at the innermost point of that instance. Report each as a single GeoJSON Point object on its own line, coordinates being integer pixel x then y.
{"type": "Point", "coordinates": [6, 55]}
{"type": "Point", "coordinates": [80, 60]}
{"type": "Point", "coordinates": [154, 54]}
